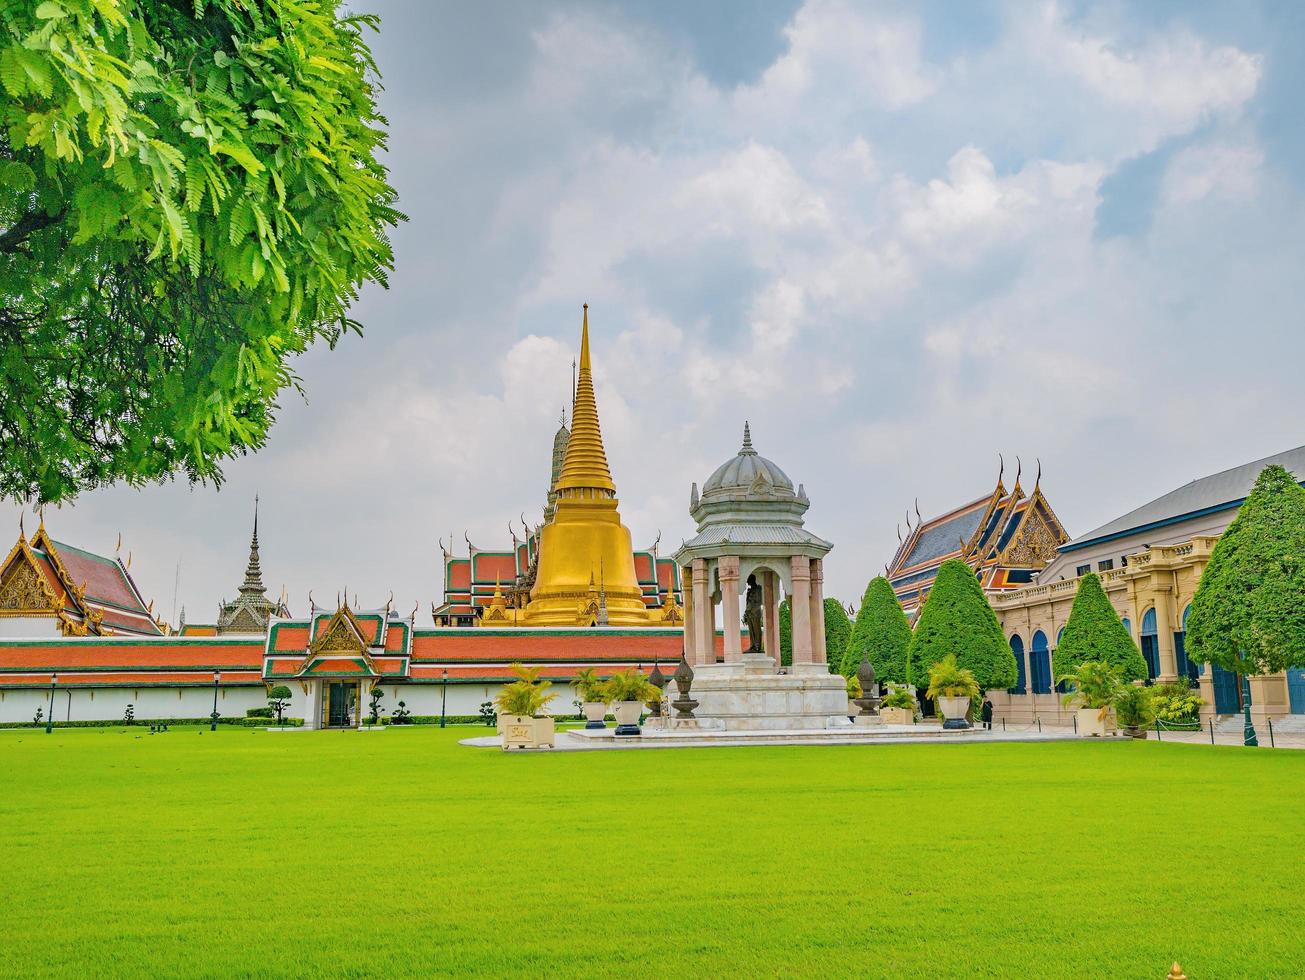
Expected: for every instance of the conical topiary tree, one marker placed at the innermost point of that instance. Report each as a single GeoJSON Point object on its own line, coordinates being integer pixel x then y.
{"type": "Point", "coordinates": [1248, 614]}
{"type": "Point", "coordinates": [957, 618]}
{"type": "Point", "coordinates": [837, 628]}
{"type": "Point", "coordinates": [1095, 632]}
{"type": "Point", "coordinates": [881, 635]}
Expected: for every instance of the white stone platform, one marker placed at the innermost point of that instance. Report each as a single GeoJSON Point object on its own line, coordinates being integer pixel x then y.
{"type": "Point", "coordinates": [592, 739]}
{"type": "Point", "coordinates": [750, 696]}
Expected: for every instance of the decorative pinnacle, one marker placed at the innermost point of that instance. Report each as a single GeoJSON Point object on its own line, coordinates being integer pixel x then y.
{"type": "Point", "coordinates": [585, 464]}
{"type": "Point", "coordinates": [747, 449]}
{"type": "Point", "coordinates": [253, 584]}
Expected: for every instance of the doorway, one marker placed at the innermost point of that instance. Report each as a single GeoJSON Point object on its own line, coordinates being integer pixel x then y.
{"type": "Point", "coordinates": [341, 704]}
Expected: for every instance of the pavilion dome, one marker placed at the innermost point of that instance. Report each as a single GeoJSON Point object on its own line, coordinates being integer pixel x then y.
{"type": "Point", "coordinates": [748, 472]}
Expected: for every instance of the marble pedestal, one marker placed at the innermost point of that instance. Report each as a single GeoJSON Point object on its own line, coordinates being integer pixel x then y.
{"type": "Point", "coordinates": [749, 696]}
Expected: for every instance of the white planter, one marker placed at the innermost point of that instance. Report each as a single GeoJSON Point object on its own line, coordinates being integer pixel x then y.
{"type": "Point", "coordinates": [953, 711]}
{"type": "Point", "coordinates": [897, 716]}
{"type": "Point", "coordinates": [595, 714]}
{"type": "Point", "coordinates": [1090, 722]}
{"type": "Point", "coordinates": [524, 732]}
{"type": "Point", "coordinates": [627, 716]}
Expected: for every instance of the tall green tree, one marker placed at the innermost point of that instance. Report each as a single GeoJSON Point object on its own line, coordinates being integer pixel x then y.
{"type": "Point", "coordinates": [837, 628]}
{"type": "Point", "coordinates": [957, 619]}
{"type": "Point", "coordinates": [190, 195]}
{"type": "Point", "coordinates": [881, 634]}
{"type": "Point", "coordinates": [1248, 614]}
{"type": "Point", "coordinates": [1095, 632]}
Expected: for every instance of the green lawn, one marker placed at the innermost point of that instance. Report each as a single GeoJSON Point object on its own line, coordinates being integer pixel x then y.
{"type": "Point", "coordinates": [401, 852]}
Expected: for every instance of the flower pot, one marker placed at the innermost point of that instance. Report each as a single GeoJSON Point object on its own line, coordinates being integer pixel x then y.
{"type": "Point", "coordinates": [953, 711]}
{"type": "Point", "coordinates": [1133, 731]}
{"type": "Point", "coordinates": [897, 716]}
{"type": "Point", "coordinates": [1090, 721]}
{"type": "Point", "coordinates": [627, 716]}
{"type": "Point", "coordinates": [595, 714]}
{"type": "Point", "coordinates": [524, 732]}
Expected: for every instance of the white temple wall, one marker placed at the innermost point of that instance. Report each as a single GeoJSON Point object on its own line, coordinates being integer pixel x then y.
{"type": "Point", "coordinates": [109, 704]}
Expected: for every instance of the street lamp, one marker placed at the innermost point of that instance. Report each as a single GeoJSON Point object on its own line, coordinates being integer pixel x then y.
{"type": "Point", "coordinates": [49, 719]}
{"type": "Point", "coordinates": [444, 695]}
{"type": "Point", "coordinates": [212, 719]}
{"type": "Point", "coordinates": [1248, 730]}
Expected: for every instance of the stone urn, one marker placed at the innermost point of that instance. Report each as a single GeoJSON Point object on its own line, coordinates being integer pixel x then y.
{"type": "Point", "coordinates": [627, 716]}
{"type": "Point", "coordinates": [953, 711]}
{"type": "Point", "coordinates": [524, 732]}
{"type": "Point", "coordinates": [1094, 722]}
{"type": "Point", "coordinates": [595, 713]}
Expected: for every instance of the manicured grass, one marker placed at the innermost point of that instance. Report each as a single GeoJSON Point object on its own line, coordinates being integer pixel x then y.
{"type": "Point", "coordinates": [401, 852]}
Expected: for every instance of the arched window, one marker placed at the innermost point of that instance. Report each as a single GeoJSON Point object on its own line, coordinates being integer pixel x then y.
{"type": "Point", "coordinates": [1040, 664]}
{"type": "Point", "coordinates": [1128, 627]}
{"type": "Point", "coordinates": [1150, 646]}
{"type": "Point", "coordinates": [1185, 667]}
{"type": "Point", "coordinates": [1017, 648]}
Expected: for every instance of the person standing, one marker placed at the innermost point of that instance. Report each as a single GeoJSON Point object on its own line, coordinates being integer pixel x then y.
{"type": "Point", "coordinates": [985, 712]}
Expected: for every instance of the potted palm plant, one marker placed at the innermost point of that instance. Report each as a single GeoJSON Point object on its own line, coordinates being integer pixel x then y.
{"type": "Point", "coordinates": [1135, 709]}
{"type": "Point", "coordinates": [953, 688]}
{"type": "Point", "coordinates": [593, 697]}
{"type": "Point", "coordinates": [627, 690]}
{"type": "Point", "coordinates": [898, 708]}
{"type": "Point", "coordinates": [520, 709]}
{"type": "Point", "coordinates": [1096, 686]}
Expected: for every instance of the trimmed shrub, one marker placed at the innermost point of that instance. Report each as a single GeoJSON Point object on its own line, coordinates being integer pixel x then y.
{"type": "Point", "coordinates": [173, 722]}
{"type": "Point", "coordinates": [957, 619]}
{"type": "Point", "coordinates": [881, 634]}
{"type": "Point", "coordinates": [1096, 633]}
{"type": "Point", "coordinates": [785, 632]}
{"type": "Point", "coordinates": [265, 712]}
{"type": "Point", "coordinates": [1248, 614]}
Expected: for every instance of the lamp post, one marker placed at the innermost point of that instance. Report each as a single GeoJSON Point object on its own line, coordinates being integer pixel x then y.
{"type": "Point", "coordinates": [444, 695]}
{"type": "Point", "coordinates": [1248, 730]}
{"type": "Point", "coordinates": [212, 719]}
{"type": "Point", "coordinates": [49, 719]}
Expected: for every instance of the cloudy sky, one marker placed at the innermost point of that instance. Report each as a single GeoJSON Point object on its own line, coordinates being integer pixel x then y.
{"type": "Point", "coordinates": [899, 238]}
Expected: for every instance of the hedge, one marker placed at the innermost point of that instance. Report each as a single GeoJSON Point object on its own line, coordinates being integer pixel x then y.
{"type": "Point", "coordinates": [881, 634]}
{"type": "Point", "coordinates": [837, 629]}
{"type": "Point", "coordinates": [1095, 632]}
{"type": "Point", "coordinates": [957, 619]}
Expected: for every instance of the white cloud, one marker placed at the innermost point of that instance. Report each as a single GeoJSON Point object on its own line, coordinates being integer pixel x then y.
{"type": "Point", "coordinates": [1218, 170]}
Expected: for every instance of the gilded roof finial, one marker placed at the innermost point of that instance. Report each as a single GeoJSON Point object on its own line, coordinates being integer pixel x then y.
{"type": "Point", "coordinates": [1019, 468]}
{"type": "Point", "coordinates": [1038, 481]}
{"type": "Point", "coordinates": [585, 463]}
{"type": "Point", "coordinates": [747, 449]}
{"type": "Point", "coordinates": [253, 584]}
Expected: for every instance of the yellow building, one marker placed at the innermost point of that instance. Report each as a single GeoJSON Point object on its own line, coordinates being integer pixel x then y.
{"type": "Point", "coordinates": [1150, 561]}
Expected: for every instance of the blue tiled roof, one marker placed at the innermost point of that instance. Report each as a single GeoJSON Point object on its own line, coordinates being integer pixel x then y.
{"type": "Point", "coordinates": [943, 539]}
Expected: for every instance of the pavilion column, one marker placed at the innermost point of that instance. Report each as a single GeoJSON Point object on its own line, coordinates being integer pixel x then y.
{"type": "Point", "coordinates": [687, 582]}
{"type": "Point", "coordinates": [770, 615]}
{"type": "Point", "coordinates": [801, 603]}
{"type": "Point", "coordinates": [1164, 625]}
{"type": "Point", "coordinates": [729, 590]}
{"type": "Point", "coordinates": [704, 629]}
{"type": "Point", "coordinates": [819, 654]}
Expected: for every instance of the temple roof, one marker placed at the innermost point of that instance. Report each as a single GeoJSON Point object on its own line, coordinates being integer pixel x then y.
{"type": "Point", "coordinates": [585, 465]}
{"type": "Point", "coordinates": [1219, 491]}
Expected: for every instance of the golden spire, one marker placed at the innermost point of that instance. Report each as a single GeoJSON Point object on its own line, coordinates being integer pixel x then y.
{"type": "Point", "coordinates": [585, 465]}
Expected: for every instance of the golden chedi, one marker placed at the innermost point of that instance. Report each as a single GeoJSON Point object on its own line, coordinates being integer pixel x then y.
{"type": "Point", "coordinates": [586, 572]}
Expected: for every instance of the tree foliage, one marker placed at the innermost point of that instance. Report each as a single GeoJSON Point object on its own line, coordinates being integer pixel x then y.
{"type": "Point", "coordinates": [957, 619]}
{"type": "Point", "coordinates": [1096, 633]}
{"type": "Point", "coordinates": [189, 196]}
{"type": "Point", "coordinates": [1248, 614]}
{"type": "Point", "coordinates": [881, 634]}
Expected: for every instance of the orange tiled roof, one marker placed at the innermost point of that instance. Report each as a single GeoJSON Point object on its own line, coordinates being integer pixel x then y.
{"type": "Point", "coordinates": [135, 652]}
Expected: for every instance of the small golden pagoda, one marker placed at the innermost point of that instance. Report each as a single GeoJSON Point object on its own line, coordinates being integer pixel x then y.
{"type": "Point", "coordinates": [586, 574]}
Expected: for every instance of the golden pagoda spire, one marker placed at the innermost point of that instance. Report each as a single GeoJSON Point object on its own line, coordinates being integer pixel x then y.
{"type": "Point", "coordinates": [585, 465]}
